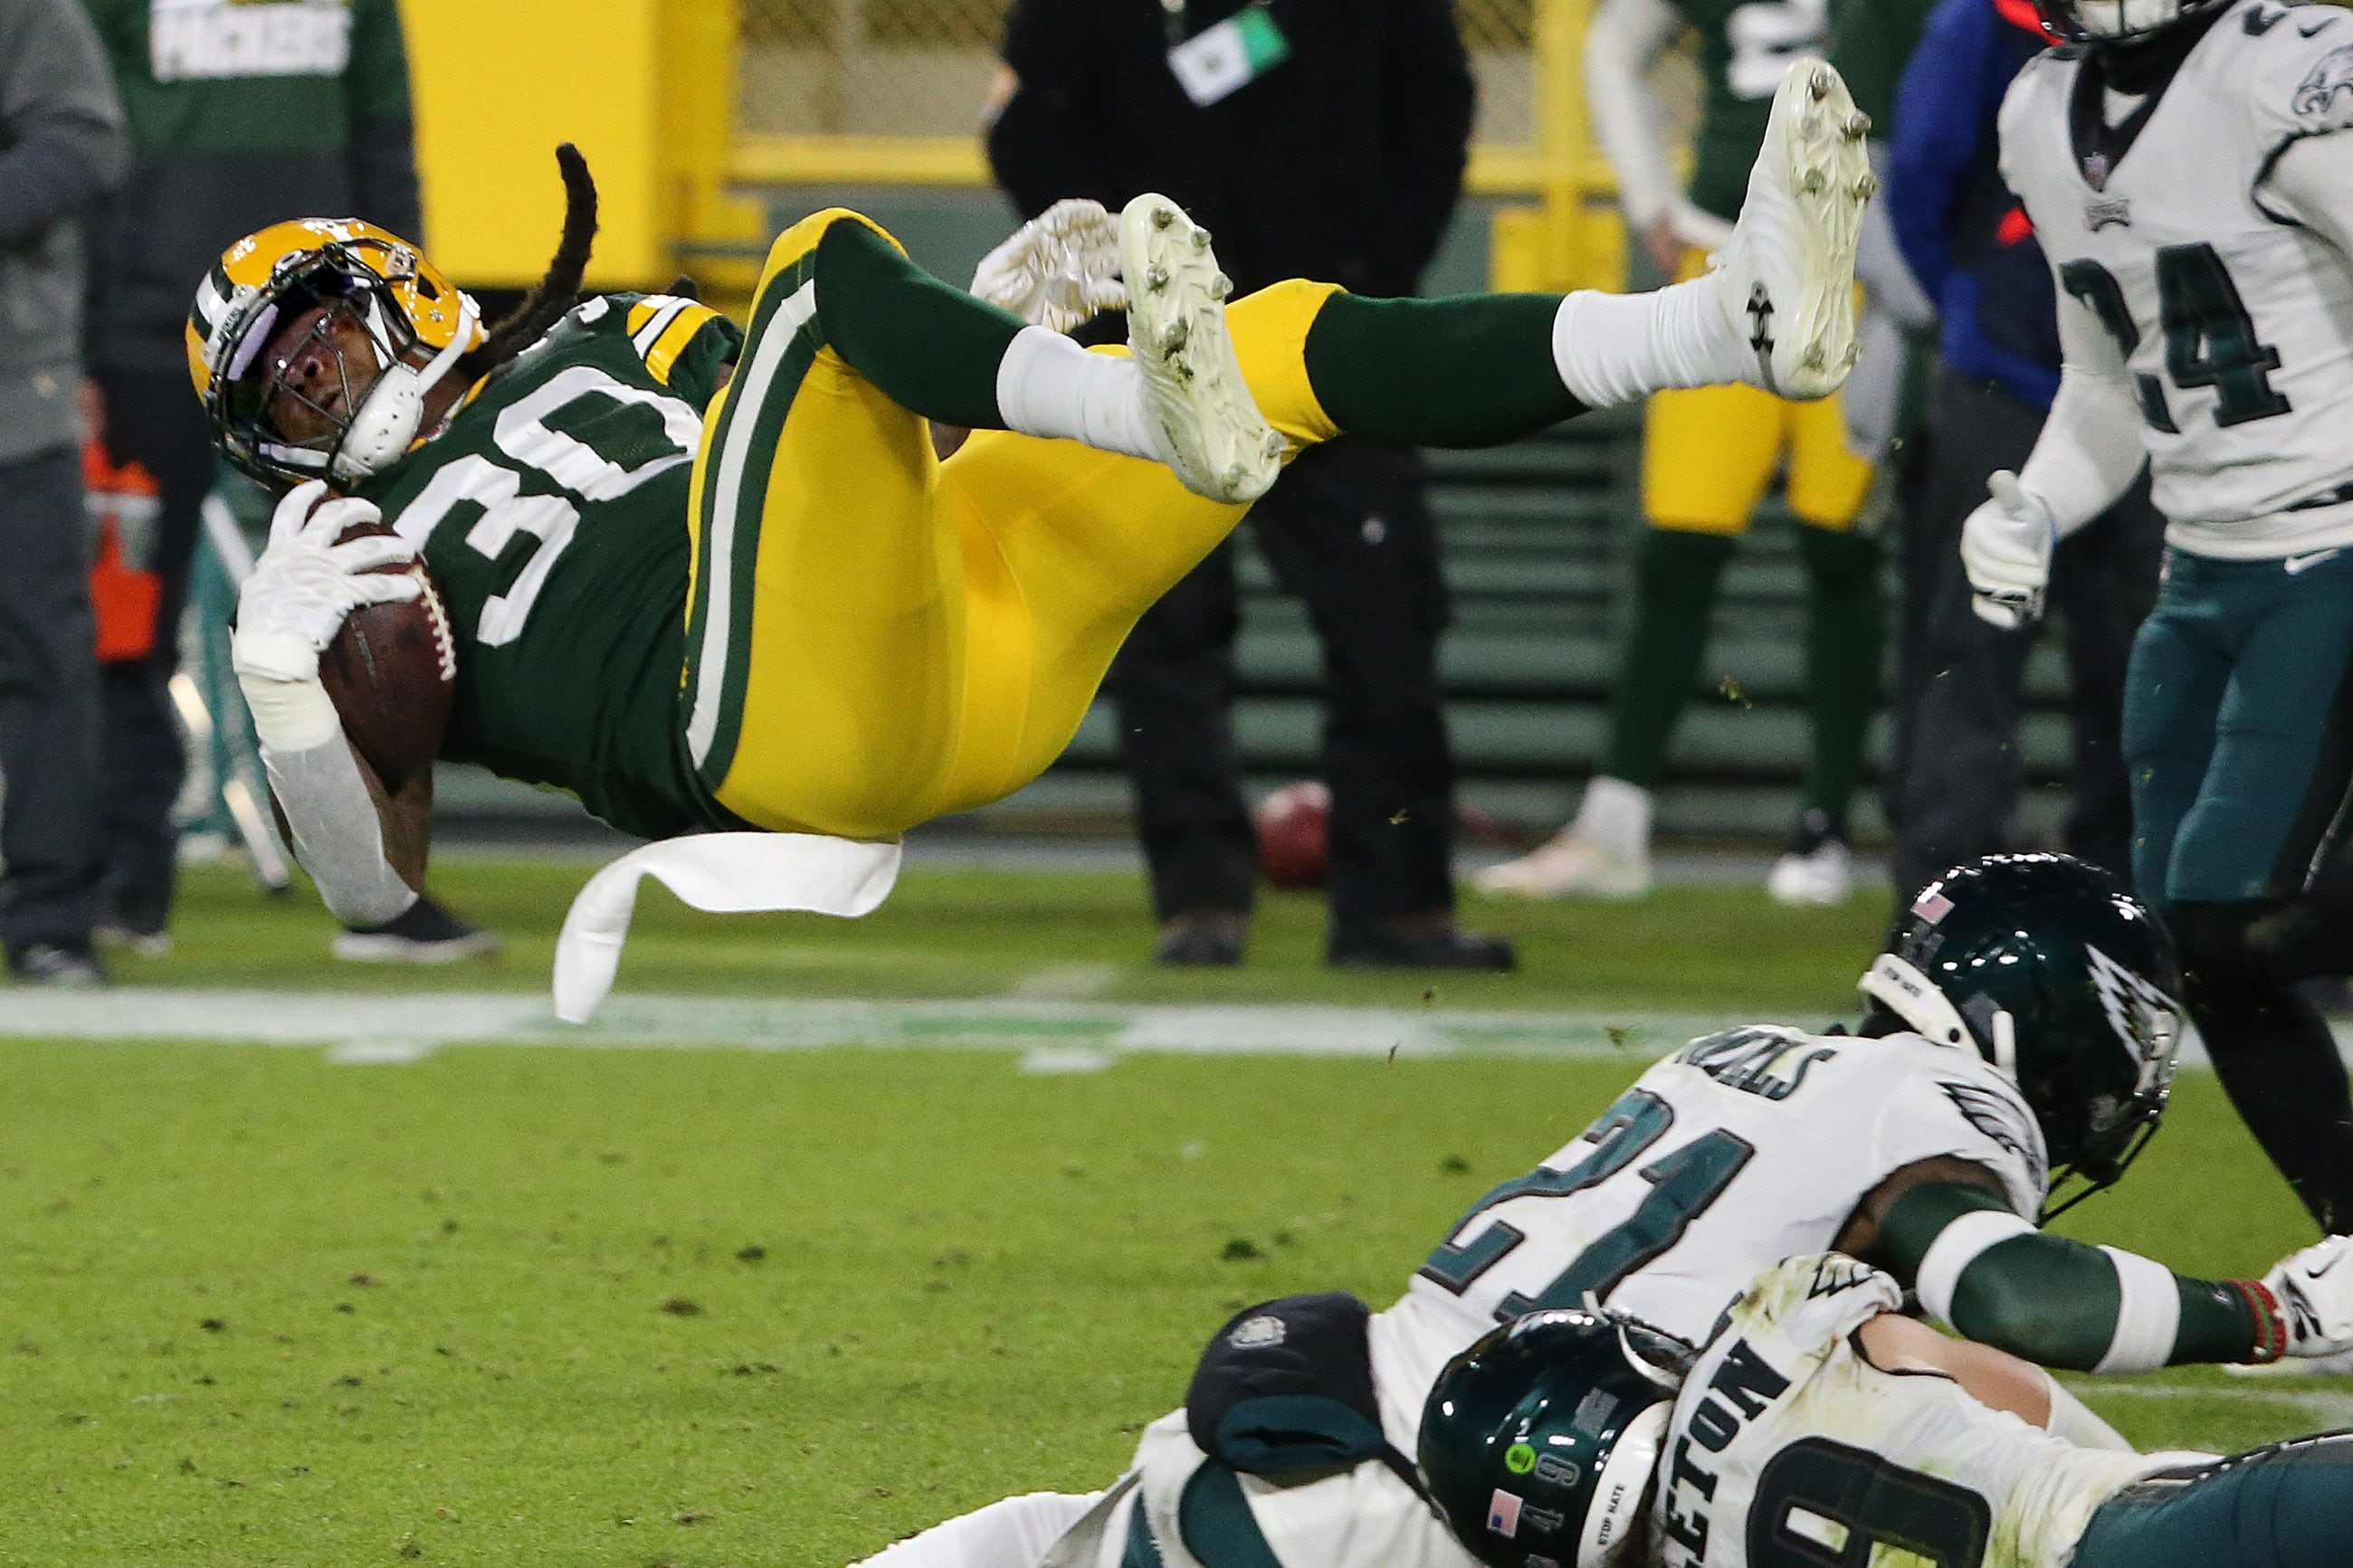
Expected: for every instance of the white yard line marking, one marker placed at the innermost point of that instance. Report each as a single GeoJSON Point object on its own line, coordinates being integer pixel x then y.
{"type": "Point", "coordinates": [2325, 1407]}
{"type": "Point", "coordinates": [377, 1029]}
{"type": "Point", "coordinates": [1064, 983]}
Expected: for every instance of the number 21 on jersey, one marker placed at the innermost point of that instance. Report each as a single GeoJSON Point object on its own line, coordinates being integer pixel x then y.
{"type": "Point", "coordinates": [1683, 1183]}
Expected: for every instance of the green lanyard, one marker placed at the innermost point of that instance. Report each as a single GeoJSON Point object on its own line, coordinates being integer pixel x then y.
{"type": "Point", "coordinates": [1172, 21]}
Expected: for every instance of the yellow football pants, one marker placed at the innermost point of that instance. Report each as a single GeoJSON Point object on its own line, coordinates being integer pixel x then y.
{"type": "Point", "coordinates": [875, 638]}
{"type": "Point", "coordinates": [1708, 454]}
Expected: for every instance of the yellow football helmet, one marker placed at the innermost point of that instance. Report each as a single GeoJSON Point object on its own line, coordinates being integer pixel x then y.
{"type": "Point", "coordinates": [344, 269]}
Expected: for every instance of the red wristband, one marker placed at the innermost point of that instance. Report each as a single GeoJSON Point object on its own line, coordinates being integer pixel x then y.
{"type": "Point", "coordinates": [2271, 1323]}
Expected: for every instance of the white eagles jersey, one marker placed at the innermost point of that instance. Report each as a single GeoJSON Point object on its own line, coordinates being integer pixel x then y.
{"type": "Point", "coordinates": [1363, 1516]}
{"type": "Point", "coordinates": [1740, 1150]}
{"type": "Point", "coordinates": [1786, 1442]}
{"type": "Point", "coordinates": [2233, 322]}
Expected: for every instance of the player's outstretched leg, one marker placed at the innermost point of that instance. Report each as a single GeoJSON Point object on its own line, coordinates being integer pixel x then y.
{"type": "Point", "coordinates": [1778, 311]}
{"type": "Point", "coordinates": [937, 351]}
{"type": "Point", "coordinates": [2286, 1506]}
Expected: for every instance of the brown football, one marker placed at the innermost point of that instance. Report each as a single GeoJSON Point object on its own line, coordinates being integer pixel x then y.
{"type": "Point", "coordinates": [391, 671]}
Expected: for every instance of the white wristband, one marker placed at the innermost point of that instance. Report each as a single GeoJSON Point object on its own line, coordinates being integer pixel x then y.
{"type": "Point", "coordinates": [290, 715]}
{"type": "Point", "coordinates": [2149, 1316]}
{"type": "Point", "coordinates": [1956, 1247]}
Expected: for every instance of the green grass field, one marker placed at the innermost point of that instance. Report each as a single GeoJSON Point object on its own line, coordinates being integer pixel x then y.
{"type": "Point", "coordinates": [703, 1307]}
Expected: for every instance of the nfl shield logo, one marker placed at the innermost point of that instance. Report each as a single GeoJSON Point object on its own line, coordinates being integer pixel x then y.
{"type": "Point", "coordinates": [2096, 170]}
{"type": "Point", "coordinates": [1503, 1513]}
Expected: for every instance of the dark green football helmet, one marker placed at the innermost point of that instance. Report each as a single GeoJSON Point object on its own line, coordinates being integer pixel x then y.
{"type": "Point", "coordinates": [1539, 1441]}
{"type": "Point", "coordinates": [2051, 971]}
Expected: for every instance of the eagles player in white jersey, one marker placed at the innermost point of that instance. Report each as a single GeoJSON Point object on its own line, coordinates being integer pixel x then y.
{"type": "Point", "coordinates": [2020, 1021]}
{"type": "Point", "coordinates": [2187, 170]}
{"type": "Point", "coordinates": [1819, 1427]}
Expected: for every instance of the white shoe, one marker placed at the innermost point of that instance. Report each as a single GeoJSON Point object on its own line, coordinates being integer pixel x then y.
{"type": "Point", "coordinates": [2340, 1364]}
{"type": "Point", "coordinates": [1789, 274]}
{"type": "Point", "coordinates": [1569, 865]}
{"type": "Point", "coordinates": [1816, 877]}
{"type": "Point", "coordinates": [1202, 414]}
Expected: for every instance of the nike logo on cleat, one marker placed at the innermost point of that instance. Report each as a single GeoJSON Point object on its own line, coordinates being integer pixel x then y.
{"type": "Point", "coordinates": [2296, 564]}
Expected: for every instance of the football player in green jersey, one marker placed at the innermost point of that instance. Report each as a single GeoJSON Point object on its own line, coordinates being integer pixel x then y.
{"type": "Point", "coordinates": [709, 579]}
{"type": "Point", "coordinates": [1708, 457]}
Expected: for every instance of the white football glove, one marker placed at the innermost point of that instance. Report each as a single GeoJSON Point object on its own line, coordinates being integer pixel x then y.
{"type": "Point", "coordinates": [2314, 1291]}
{"type": "Point", "coordinates": [1060, 271]}
{"type": "Point", "coordinates": [2006, 548]}
{"type": "Point", "coordinates": [305, 585]}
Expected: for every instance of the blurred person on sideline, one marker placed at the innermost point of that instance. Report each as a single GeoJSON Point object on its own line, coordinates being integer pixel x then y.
{"type": "Point", "coordinates": [1327, 140]}
{"type": "Point", "coordinates": [1707, 458]}
{"type": "Point", "coordinates": [1960, 688]}
{"type": "Point", "coordinates": [61, 144]}
{"type": "Point", "coordinates": [241, 114]}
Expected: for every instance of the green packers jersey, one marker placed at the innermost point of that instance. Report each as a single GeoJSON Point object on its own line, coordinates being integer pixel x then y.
{"type": "Point", "coordinates": [1874, 42]}
{"type": "Point", "coordinates": [553, 515]}
{"type": "Point", "coordinates": [1745, 47]}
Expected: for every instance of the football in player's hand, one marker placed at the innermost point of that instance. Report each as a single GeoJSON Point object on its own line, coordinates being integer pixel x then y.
{"type": "Point", "coordinates": [1294, 836]}
{"type": "Point", "coordinates": [391, 671]}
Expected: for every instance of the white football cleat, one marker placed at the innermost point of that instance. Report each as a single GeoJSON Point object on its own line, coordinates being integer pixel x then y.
{"type": "Point", "coordinates": [1819, 877]}
{"type": "Point", "coordinates": [1788, 277]}
{"type": "Point", "coordinates": [1569, 865]}
{"type": "Point", "coordinates": [2337, 1364]}
{"type": "Point", "coordinates": [1204, 419]}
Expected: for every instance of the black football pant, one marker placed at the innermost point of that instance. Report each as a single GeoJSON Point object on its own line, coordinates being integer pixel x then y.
{"type": "Point", "coordinates": [1956, 779]}
{"type": "Point", "coordinates": [1349, 532]}
{"type": "Point", "coordinates": [50, 855]}
{"type": "Point", "coordinates": [152, 418]}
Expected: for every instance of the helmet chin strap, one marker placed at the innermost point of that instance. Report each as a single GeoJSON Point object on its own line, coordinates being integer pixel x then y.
{"type": "Point", "coordinates": [394, 410]}
{"type": "Point", "coordinates": [1911, 996]}
{"type": "Point", "coordinates": [1622, 1490]}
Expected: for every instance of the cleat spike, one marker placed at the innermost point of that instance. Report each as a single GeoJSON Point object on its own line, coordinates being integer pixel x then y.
{"type": "Point", "coordinates": [1857, 126]}
{"type": "Point", "coordinates": [1854, 355]}
{"type": "Point", "coordinates": [1178, 336]}
{"type": "Point", "coordinates": [1276, 443]}
{"type": "Point", "coordinates": [1163, 216]}
{"type": "Point", "coordinates": [1815, 358]}
{"type": "Point", "coordinates": [1812, 182]}
{"type": "Point", "coordinates": [1221, 286]}
{"type": "Point", "coordinates": [1156, 278]}
{"type": "Point", "coordinates": [1819, 82]}
{"type": "Point", "coordinates": [1866, 187]}
{"type": "Point", "coordinates": [1200, 240]}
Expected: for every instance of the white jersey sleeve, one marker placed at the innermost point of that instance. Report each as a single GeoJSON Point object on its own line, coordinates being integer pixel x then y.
{"type": "Point", "coordinates": [1786, 1434]}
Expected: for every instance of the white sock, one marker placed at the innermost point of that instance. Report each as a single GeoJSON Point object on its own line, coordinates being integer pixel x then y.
{"type": "Point", "coordinates": [1616, 816]}
{"type": "Point", "coordinates": [1048, 386]}
{"type": "Point", "coordinates": [1620, 348]}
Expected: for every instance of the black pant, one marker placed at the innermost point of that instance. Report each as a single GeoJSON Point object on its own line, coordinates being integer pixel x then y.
{"type": "Point", "coordinates": [48, 706]}
{"type": "Point", "coordinates": [1348, 532]}
{"type": "Point", "coordinates": [1958, 684]}
{"type": "Point", "coordinates": [152, 419]}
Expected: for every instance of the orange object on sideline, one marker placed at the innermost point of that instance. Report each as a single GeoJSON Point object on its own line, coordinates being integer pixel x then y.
{"type": "Point", "coordinates": [124, 598]}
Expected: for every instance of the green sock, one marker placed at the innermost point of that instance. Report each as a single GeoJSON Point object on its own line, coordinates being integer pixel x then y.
{"type": "Point", "coordinates": [930, 347]}
{"type": "Point", "coordinates": [1675, 577]}
{"type": "Point", "coordinates": [1843, 634]}
{"type": "Point", "coordinates": [1470, 371]}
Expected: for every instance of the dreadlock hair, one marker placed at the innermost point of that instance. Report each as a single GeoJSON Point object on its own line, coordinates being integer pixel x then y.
{"type": "Point", "coordinates": [555, 292]}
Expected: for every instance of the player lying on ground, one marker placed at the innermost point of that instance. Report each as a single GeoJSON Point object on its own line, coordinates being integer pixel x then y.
{"type": "Point", "coordinates": [2188, 171]}
{"type": "Point", "coordinates": [764, 604]}
{"type": "Point", "coordinates": [2022, 1018]}
{"type": "Point", "coordinates": [1818, 1427]}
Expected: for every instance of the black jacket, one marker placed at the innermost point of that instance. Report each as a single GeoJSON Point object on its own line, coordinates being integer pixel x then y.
{"type": "Point", "coordinates": [1341, 163]}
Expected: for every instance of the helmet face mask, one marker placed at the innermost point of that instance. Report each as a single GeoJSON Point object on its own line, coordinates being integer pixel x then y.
{"type": "Point", "coordinates": [1540, 1442]}
{"type": "Point", "coordinates": [2118, 21]}
{"type": "Point", "coordinates": [384, 323]}
{"type": "Point", "coordinates": [2047, 969]}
